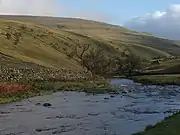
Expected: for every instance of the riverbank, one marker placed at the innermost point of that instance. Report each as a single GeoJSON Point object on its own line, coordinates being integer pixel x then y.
{"type": "Point", "coordinates": [158, 79]}
{"type": "Point", "coordinates": [15, 92]}
{"type": "Point", "coordinates": [169, 126]}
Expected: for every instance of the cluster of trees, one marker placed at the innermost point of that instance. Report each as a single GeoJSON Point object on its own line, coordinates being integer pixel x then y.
{"type": "Point", "coordinates": [129, 64]}
{"type": "Point", "coordinates": [99, 62]}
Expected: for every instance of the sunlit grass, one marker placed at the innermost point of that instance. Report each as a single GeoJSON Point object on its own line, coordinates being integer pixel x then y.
{"type": "Point", "coordinates": [159, 79]}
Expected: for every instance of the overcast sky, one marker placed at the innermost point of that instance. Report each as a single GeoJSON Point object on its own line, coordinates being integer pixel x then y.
{"type": "Point", "coordinates": [159, 17]}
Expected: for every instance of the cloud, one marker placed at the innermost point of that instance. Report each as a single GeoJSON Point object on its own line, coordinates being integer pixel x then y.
{"type": "Point", "coordinates": [163, 24]}
{"type": "Point", "coordinates": [47, 8]}
{"type": "Point", "coordinates": [29, 7]}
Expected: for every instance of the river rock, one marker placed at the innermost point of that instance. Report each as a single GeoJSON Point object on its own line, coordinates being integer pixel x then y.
{"type": "Point", "coordinates": [112, 96]}
{"type": "Point", "coordinates": [38, 104]}
{"type": "Point", "coordinates": [106, 98]}
{"type": "Point", "coordinates": [124, 92]}
{"type": "Point", "coordinates": [47, 104]}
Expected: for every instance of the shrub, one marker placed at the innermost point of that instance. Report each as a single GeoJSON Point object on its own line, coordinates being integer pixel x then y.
{"type": "Point", "coordinates": [9, 89]}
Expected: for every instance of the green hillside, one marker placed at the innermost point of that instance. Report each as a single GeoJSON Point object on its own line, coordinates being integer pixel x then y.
{"type": "Point", "coordinates": [44, 40]}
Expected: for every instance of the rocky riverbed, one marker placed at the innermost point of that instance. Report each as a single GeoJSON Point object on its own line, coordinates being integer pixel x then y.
{"type": "Point", "coordinates": [72, 113]}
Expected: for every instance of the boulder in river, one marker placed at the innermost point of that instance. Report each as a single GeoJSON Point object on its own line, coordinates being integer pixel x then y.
{"type": "Point", "coordinates": [106, 98]}
{"type": "Point", "coordinates": [47, 104]}
{"type": "Point", "coordinates": [38, 104]}
{"type": "Point", "coordinates": [124, 92]}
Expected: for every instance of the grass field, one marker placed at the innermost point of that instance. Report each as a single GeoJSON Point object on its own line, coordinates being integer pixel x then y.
{"type": "Point", "coordinates": [170, 126]}
{"type": "Point", "coordinates": [173, 79]}
{"type": "Point", "coordinates": [165, 66]}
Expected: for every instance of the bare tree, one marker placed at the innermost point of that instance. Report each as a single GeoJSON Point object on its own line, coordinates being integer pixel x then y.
{"type": "Point", "coordinates": [81, 50]}
{"type": "Point", "coordinates": [94, 60]}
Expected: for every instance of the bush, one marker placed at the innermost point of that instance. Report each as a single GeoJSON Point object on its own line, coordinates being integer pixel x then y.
{"type": "Point", "coordinates": [9, 89]}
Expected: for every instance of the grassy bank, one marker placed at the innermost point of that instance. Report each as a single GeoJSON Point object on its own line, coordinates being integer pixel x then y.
{"type": "Point", "coordinates": [19, 80]}
{"type": "Point", "coordinates": [47, 87]}
{"type": "Point", "coordinates": [158, 79]}
{"type": "Point", "coordinates": [169, 126]}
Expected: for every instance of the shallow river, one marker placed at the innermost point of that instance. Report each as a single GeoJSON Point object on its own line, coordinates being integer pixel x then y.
{"type": "Point", "coordinates": [74, 113]}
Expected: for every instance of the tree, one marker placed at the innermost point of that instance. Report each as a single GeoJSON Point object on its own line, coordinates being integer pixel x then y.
{"type": "Point", "coordinates": [81, 50]}
{"type": "Point", "coordinates": [97, 62]}
{"type": "Point", "coordinates": [129, 65]}
{"type": "Point", "coordinates": [94, 60]}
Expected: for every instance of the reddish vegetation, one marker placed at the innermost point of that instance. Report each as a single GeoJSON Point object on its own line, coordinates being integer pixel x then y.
{"type": "Point", "coordinates": [9, 89]}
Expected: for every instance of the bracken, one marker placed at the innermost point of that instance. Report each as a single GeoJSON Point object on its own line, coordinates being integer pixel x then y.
{"type": "Point", "coordinates": [9, 89]}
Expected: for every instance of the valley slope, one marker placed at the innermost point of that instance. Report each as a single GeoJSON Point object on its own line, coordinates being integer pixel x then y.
{"type": "Point", "coordinates": [45, 39]}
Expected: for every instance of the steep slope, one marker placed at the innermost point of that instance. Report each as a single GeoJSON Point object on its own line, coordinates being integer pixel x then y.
{"type": "Point", "coordinates": [42, 45]}
{"type": "Point", "coordinates": [44, 39]}
{"type": "Point", "coordinates": [33, 47]}
{"type": "Point", "coordinates": [119, 36]}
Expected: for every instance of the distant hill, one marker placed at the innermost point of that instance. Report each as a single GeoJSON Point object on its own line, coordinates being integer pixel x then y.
{"type": "Point", "coordinates": [44, 39]}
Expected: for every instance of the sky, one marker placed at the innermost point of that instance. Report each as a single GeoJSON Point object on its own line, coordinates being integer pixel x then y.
{"type": "Point", "coordinates": [159, 17]}
{"type": "Point", "coordinates": [118, 11]}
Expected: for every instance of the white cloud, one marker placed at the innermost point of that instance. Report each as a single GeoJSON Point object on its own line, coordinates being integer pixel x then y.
{"type": "Point", "coordinates": [29, 7]}
{"type": "Point", "coordinates": [164, 24]}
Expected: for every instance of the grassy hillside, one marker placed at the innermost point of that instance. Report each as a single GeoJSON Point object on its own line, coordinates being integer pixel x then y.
{"type": "Point", "coordinates": [169, 126]}
{"type": "Point", "coordinates": [44, 39]}
{"type": "Point", "coordinates": [164, 66]}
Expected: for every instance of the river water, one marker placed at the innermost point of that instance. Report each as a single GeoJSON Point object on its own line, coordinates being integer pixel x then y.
{"type": "Point", "coordinates": [74, 113]}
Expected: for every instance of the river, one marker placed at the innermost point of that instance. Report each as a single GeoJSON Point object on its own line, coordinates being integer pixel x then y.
{"type": "Point", "coordinates": [75, 113]}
